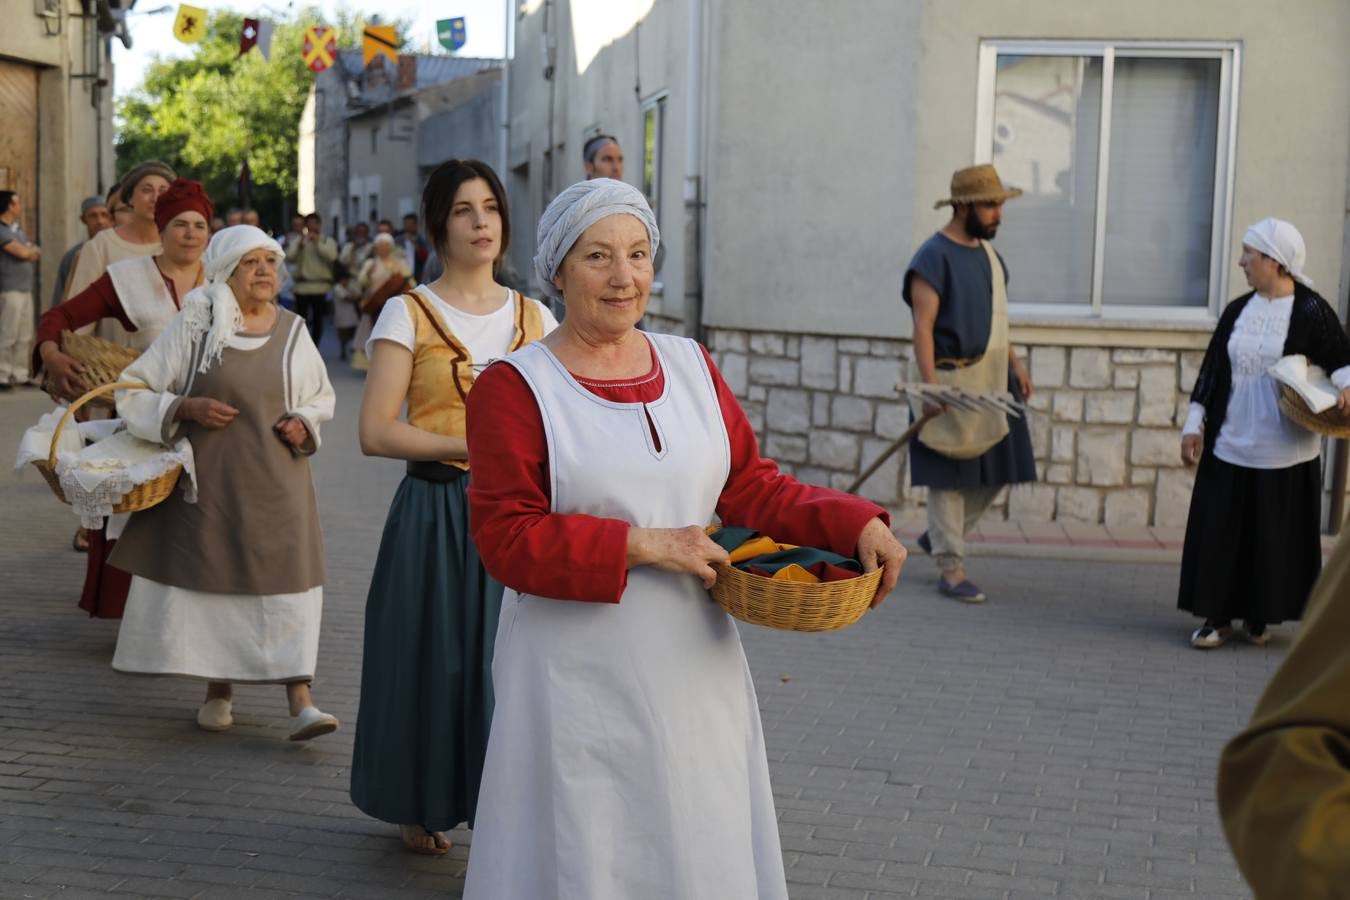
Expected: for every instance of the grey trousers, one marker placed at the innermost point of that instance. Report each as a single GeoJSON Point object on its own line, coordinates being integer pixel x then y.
{"type": "Point", "coordinates": [951, 515]}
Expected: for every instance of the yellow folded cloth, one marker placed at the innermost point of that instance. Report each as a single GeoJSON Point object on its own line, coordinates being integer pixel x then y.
{"type": "Point", "coordinates": [758, 547]}
{"type": "Point", "coordinates": [796, 573]}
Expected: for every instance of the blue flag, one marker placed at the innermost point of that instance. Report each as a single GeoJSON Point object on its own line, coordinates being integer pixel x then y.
{"type": "Point", "coordinates": [450, 32]}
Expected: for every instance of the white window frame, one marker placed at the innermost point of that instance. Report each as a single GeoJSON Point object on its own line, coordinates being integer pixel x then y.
{"type": "Point", "coordinates": [1229, 55]}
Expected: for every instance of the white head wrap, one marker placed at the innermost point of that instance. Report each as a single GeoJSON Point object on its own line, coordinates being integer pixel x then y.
{"type": "Point", "coordinates": [211, 309]}
{"type": "Point", "coordinates": [1282, 242]}
{"type": "Point", "coordinates": [578, 208]}
{"type": "Point", "coordinates": [383, 238]}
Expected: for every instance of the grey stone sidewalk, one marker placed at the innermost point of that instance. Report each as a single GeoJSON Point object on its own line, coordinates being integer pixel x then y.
{"type": "Point", "coordinates": [1059, 741]}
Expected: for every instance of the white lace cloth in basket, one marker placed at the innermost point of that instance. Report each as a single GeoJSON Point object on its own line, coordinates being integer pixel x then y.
{"type": "Point", "coordinates": [96, 476]}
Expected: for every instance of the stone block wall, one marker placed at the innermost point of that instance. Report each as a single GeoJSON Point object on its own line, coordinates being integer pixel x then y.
{"type": "Point", "coordinates": [1105, 423]}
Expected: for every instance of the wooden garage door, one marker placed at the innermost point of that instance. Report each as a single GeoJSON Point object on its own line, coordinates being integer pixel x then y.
{"type": "Point", "coordinates": [18, 137]}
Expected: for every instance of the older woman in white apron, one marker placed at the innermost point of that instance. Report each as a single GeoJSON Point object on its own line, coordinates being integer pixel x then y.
{"type": "Point", "coordinates": [143, 294]}
{"type": "Point", "coordinates": [228, 586]}
{"type": "Point", "coordinates": [626, 757]}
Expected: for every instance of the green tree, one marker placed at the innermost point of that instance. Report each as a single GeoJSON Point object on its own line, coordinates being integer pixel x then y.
{"type": "Point", "coordinates": [205, 114]}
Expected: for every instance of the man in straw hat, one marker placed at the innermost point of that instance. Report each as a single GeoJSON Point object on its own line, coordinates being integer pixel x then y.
{"type": "Point", "coordinates": [956, 288]}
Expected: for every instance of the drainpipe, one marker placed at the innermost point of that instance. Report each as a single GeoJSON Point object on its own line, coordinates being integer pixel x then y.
{"type": "Point", "coordinates": [693, 179]}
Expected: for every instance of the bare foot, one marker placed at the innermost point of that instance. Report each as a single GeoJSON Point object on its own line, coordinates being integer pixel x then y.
{"type": "Point", "coordinates": [420, 840]}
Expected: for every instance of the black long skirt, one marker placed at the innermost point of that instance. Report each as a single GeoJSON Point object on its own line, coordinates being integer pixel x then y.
{"type": "Point", "coordinates": [1253, 542]}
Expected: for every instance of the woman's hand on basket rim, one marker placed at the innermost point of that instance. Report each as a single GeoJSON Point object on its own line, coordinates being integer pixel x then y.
{"type": "Point", "coordinates": [205, 412]}
{"type": "Point", "coordinates": [686, 550]}
{"type": "Point", "coordinates": [879, 549]}
{"type": "Point", "coordinates": [65, 376]}
{"type": "Point", "coordinates": [1343, 402]}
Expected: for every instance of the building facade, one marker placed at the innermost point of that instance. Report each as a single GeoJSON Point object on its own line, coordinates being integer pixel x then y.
{"type": "Point", "coordinates": [794, 163]}
{"type": "Point", "coordinates": [369, 137]}
{"type": "Point", "coordinates": [56, 143]}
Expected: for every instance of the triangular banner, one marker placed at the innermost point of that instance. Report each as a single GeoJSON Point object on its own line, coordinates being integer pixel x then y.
{"type": "Point", "coordinates": [379, 40]}
{"type": "Point", "coordinates": [256, 33]}
{"type": "Point", "coordinates": [190, 26]}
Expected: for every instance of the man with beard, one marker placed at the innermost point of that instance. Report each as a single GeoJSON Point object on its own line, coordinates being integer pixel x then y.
{"type": "Point", "coordinates": [956, 287]}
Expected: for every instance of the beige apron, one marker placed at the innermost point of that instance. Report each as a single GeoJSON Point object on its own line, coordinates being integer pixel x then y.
{"type": "Point", "coordinates": [963, 433]}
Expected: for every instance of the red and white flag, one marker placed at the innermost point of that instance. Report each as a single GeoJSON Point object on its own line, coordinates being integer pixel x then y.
{"type": "Point", "coordinates": [256, 33]}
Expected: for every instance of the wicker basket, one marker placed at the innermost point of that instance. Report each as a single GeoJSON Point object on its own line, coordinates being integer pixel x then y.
{"type": "Point", "coordinates": [102, 360]}
{"type": "Point", "coordinates": [142, 496]}
{"type": "Point", "coordinates": [1332, 422]}
{"type": "Point", "coordinates": [791, 605]}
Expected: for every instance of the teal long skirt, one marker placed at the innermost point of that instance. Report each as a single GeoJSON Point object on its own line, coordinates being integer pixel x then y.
{"type": "Point", "coordinates": [426, 672]}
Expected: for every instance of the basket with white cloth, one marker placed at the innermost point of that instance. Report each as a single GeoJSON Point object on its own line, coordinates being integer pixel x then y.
{"type": "Point", "coordinates": [117, 473]}
{"type": "Point", "coordinates": [1308, 397]}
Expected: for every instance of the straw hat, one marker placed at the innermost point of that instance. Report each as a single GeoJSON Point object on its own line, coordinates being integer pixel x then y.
{"type": "Point", "coordinates": [978, 184]}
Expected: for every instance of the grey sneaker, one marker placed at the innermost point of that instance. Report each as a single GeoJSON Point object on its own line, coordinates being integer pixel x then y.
{"type": "Point", "coordinates": [965, 591]}
{"type": "Point", "coordinates": [1207, 637]}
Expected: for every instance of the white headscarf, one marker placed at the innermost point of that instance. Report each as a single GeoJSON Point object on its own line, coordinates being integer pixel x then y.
{"type": "Point", "coordinates": [578, 208]}
{"type": "Point", "coordinates": [211, 309]}
{"type": "Point", "coordinates": [1280, 241]}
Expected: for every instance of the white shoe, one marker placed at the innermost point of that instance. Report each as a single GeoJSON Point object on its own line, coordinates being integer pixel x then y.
{"type": "Point", "coordinates": [311, 723]}
{"type": "Point", "coordinates": [215, 715]}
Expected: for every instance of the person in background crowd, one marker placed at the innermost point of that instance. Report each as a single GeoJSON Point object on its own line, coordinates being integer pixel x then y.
{"type": "Point", "coordinates": [383, 275]}
{"type": "Point", "coordinates": [413, 245]}
{"type": "Point", "coordinates": [313, 255]}
{"type": "Point", "coordinates": [251, 217]}
{"type": "Point", "coordinates": [143, 294]}
{"type": "Point", "coordinates": [431, 613]}
{"type": "Point", "coordinates": [296, 233]}
{"type": "Point", "coordinates": [603, 157]}
{"type": "Point", "coordinates": [346, 294]}
{"type": "Point", "coordinates": [18, 271]}
{"type": "Point", "coordinates": [234, 216]}
{"type": "Point", "coordinates": [96, 216]}
{"type": "Point", "coordinates": [956, 286]}
{"type": "Point", "coordinates": [1253, 537]}
{"type": "Point", "coordinates": [1283, 782]}
{"type": "Point", "coordinates": [217, 224]}
{"type": "Point", "coordinates": [230, 588]}
{"type": "Point", "coordinates": [122, 213]}
{"type": "Point", "coordinates": [140, 189]}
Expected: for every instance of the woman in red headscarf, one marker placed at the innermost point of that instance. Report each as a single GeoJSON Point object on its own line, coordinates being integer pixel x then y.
{"type": "Point", "coordinates": [143, 294]}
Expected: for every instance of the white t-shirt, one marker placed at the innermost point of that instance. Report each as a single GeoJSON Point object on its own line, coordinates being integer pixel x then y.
{"type": "Point", "coordinates": [1255, 433]}
{"type": "Point", "coordinates": [487, 337]}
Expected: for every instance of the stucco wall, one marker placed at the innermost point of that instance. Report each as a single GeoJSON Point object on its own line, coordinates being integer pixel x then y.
{"type": "Point", "coordinates": [394, 161]}
{"type": "Point", "coordinates": [1293, 104]}
{"type": "Point", "coordinates": [811, 192]}
{"type": "Point", "coordinates": [634, 62]}
{"type": "Point", "coordinates": [468, 130]}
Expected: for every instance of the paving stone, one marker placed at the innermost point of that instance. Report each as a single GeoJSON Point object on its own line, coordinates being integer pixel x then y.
{"type": "Point", "coordinates": [908, 755]}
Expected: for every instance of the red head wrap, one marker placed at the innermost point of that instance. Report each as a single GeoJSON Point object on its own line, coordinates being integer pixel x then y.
{"type": "Point", "coordinates": [183, 195]}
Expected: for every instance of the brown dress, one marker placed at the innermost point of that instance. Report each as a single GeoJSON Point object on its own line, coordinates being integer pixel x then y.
{"type": "Point", "coordinates": [245, 562]}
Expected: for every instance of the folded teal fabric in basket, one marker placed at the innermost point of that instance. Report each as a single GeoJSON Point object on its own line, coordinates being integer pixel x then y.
{"type": "Point", "coordinates": [731, 537]}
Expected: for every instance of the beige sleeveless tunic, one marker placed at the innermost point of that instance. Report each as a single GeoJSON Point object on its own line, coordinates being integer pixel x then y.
{"type": "Point", "coordinates": [255, 526]}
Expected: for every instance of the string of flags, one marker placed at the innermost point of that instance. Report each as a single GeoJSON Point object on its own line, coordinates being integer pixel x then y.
{"type": "Point", "coordinates": [318, 46]}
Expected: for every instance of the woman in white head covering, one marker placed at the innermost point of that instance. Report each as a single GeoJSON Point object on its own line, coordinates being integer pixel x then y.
{"type": "Point", "coordinates": [1253, 547]}
{"type": "Point", "coordinates": [626, 757]}
{"type": "Point", "coordinates": [227, 585]}
{"type": "Point", "coordinates": [383, 275]}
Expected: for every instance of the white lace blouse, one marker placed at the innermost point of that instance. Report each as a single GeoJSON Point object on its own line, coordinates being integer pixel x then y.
{"type": "Point", "coordinates": [1255, 433]}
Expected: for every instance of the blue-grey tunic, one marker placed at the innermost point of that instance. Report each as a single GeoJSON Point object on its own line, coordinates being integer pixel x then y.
{"type": "Point", "coordinates": [965, 283]}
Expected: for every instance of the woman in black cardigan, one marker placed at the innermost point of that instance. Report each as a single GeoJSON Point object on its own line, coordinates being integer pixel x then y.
{"type": "Point", "coordinates": [1253, 541]}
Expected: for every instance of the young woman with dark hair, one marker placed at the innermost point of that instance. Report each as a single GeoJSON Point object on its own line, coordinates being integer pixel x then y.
{"type": "Point", "coordinates": [431, 612]}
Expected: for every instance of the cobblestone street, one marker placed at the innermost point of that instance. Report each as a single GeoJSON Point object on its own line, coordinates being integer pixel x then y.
{"type": "Point", "coordinates": [1059, 741]}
